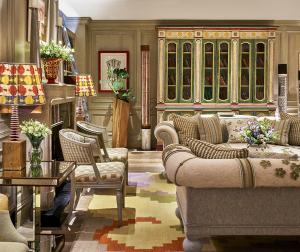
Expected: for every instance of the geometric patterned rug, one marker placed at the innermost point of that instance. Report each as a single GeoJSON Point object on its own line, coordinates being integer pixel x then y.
{"type": "Point", "coordinates": [149, 224]}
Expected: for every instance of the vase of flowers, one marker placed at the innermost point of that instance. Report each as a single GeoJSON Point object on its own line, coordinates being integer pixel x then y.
{"type": "Point", "coordinates": [258, 133]}
{"type": "Point", "coordinates": [52, 54]}
{"type": "Point", "coordinates": [36, 132]}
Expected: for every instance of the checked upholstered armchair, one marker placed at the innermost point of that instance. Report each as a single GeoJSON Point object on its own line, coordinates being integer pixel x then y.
{"type": "Point", "coordinates": [91, 171]}
{"type": "Point", "coordinates": [109, 154]}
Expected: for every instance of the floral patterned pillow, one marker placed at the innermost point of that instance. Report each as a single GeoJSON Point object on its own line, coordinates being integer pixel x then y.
{"type": "Point", "coordinates": [234, 127]}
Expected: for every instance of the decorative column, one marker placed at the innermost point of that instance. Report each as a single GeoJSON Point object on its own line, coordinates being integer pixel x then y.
{"type": "Point", "coordinates": [271, 70]}
{"type": "Point", "coordinates": [161, 71]}
{"type": "Point", "coordinates": [198, 67]}
{"type": "Point", "coordinates": [146, 125]}
{"type": "Point", "coordinates": [34, 34]}
{"type": "Point", "coordinates": [282, 87]}
{"type": "Point", "coordinates": [235, 69]}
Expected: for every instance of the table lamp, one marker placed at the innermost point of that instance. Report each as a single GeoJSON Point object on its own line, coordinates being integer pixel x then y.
{"type": "Point", "coordinates": [20, 85]}
{"type": "Point", "coordinates": [84, 88]}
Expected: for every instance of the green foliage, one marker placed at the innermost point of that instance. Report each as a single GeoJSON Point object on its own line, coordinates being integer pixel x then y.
{"type": "Point", "coordinates": [56, 50]}
{"type": "Point", "coordinates": [117, 81]}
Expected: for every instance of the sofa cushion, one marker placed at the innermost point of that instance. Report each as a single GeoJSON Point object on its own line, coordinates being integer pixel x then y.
{"type": "Point", "coordinates": [210, 151]}
{"type": "Point", "coordinates": [294, 133]}
{"type": "Point", "coordinates": [272, 151]}
{"type": "Point", "coordinates": [234, 126]}
{"type": "Point", "coordinates": [210, 129]}
{"type": "Point", "coordinates": [13, 246]}
{"type": "Point", "coordinates": [186, 127]}
{"type": "Point", "coordinates": [282, 127]}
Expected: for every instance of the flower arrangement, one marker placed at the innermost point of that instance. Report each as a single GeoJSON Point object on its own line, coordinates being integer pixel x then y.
{"type": "Point", "coordinates": [34, 129]}
{"type": "Point", "coordinates": [36, 132]}
{"type": "Point", "coordinates": [56, 50]}
{"type": "Point", "coordinates": [117, 78]}
{"type": "Point", "coordinates": [258, 132]}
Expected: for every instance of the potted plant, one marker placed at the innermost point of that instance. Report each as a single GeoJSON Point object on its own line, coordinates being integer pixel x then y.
{"type": "Point", "coordinates": [36, 132]}
{"type": "Point", "coordinates": [52, 53]}
{"type": "Point", "coordinates": [117, 81]}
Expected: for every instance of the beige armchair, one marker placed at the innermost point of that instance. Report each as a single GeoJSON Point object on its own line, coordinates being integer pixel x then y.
{"type": "Point", "coordinates": [10, 239]}
{"type": "Point", "coordinates": [82, 149]}
{"type": "Point", "coordinates": [109, 154]}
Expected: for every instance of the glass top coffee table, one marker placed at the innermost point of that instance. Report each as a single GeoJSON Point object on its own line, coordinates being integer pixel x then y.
{"type": "Point", "coordinates": [53, 174]}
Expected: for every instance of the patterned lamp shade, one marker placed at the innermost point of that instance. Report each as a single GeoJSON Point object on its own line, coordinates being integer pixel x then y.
{"type": "Point", "coordinates": [20, 84]}
{"type": "Point", "coordinates": [84, 86]}
{"type": "Point", "coordinates": [8, 88]}
{"type": "Point", "coordinates": [31, 91]}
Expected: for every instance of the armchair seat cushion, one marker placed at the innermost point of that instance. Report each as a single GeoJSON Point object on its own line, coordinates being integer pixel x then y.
{"type": "Point", "coordinates": [109, 172]}
{"type": "Point", "coordinates": [117, 154]}
{"type": "Point", "coordinates": [13, 246]}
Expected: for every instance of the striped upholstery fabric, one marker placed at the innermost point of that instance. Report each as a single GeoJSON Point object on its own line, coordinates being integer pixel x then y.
{"type": "Point", "coordinates": [210, 151]}
{"type": "Point", "coordinates": [186, 127]}
{"type": "Point", "coordinates": [294, 134]}
{"type": "Point", "coordinates": [210, 129]}
{"type": "Point", "coordinates": [109, 172]}
{"type": "Point", "coordinates": [282, 127]}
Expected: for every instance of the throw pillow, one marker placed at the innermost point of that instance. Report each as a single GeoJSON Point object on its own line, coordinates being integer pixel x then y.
{"type": "Point", "coordinates": [294, 133]}
{"type": "Point", "coordinates": [186, 127]}
{"type": "Point", "coordinates": [234, 127]}
{"type": "Point", "coordinates": [282, 127]}
{"type": "Point", "coordinates": [210, 129]}
{"type": "Point", "coordinates": [210, 151]}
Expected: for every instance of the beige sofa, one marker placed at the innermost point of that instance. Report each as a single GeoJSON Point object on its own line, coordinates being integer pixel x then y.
{"type": "Point", "coordinates": [232, 196]}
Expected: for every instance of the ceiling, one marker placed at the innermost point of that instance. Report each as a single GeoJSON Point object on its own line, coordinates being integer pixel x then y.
{"type": "Point", "coordinates": [183, 9]}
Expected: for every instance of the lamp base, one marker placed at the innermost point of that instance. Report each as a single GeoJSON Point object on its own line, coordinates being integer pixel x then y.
{"type": "Point", "coordinates": [14, 155]}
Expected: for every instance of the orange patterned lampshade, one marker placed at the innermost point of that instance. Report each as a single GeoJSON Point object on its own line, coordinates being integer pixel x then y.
{"type": "Point", "coordinates": [20, 84]}
{"type": "Point", "coordinates": [84, 85]}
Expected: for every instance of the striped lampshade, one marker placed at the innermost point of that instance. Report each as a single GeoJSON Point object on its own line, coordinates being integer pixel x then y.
{"type": "Point", "coordinates": [84, 85]}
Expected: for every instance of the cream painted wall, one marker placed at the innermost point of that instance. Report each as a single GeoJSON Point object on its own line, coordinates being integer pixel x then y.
{"type": "Point", "coordinates": [92, 36]}
{"type": "Point", "coordinates": [182, 10]}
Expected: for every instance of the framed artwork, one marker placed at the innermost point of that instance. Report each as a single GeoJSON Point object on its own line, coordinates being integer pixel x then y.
{"type": "Point", "coordinates": [107, 59]}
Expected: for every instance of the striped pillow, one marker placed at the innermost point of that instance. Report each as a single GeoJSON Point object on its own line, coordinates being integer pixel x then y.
{"type": "Point", "coordinates": [186, 127]}
{"type": "Point", "coordinates": [210, 129]}
{"type": "Point", "coordinates": [294, 134]}
{"type": "Point", "coordinates": [282, 127]}
{"type": "Point", "coordinates": [210, 151]}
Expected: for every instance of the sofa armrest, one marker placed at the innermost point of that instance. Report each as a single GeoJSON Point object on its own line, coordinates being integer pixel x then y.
{"type": "Point", "coordinates": [8, 233]}
{"type": "Point", "coordinates": [185, 169]}
{"type": "Point", "coordinates": [166, 132]}
{"type": "Point", "coordinates": [3, 202]}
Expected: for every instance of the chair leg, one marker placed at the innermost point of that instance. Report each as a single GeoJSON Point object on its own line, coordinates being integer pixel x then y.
{"type": "Point", "coordinates": [119, 205]}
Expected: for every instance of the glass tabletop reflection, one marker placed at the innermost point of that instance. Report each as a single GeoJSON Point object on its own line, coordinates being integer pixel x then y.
{"type": "Point", "coordinates": [51, 173]}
